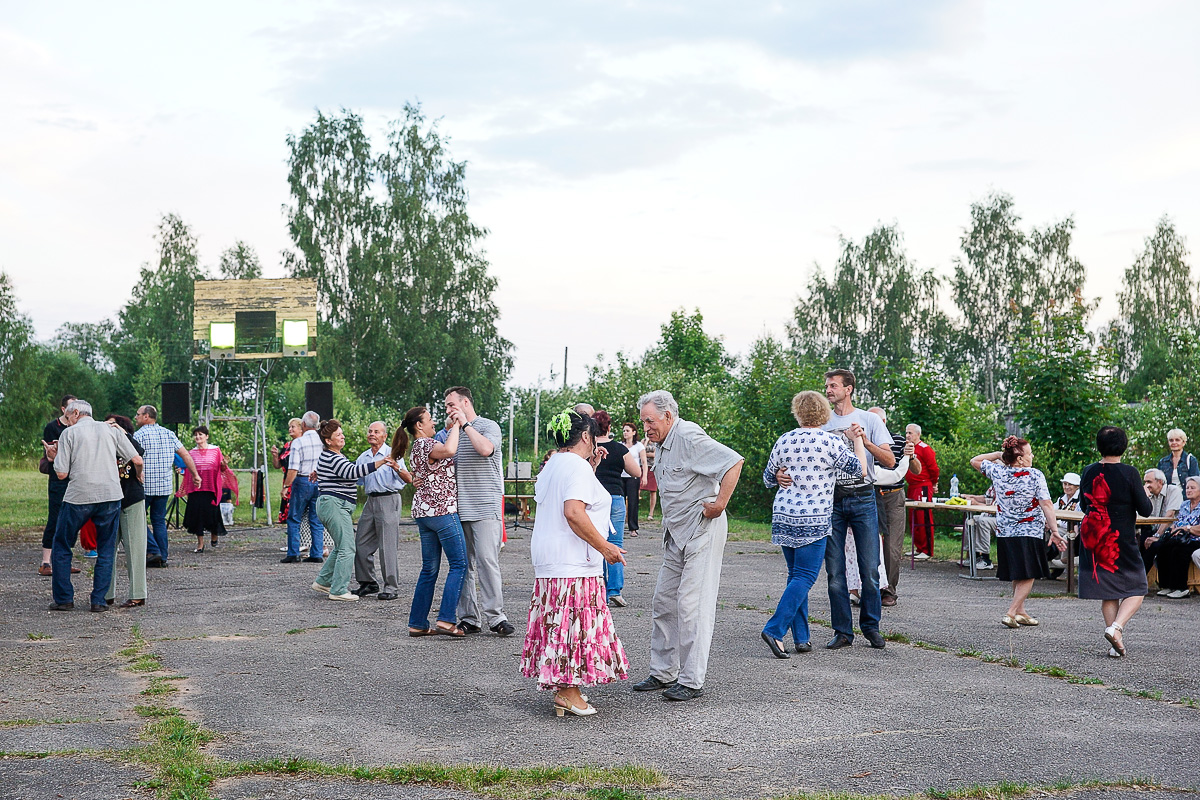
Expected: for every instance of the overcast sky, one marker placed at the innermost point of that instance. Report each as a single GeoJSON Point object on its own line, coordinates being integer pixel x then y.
{"type": "Point", "coordinates": [628, 159]}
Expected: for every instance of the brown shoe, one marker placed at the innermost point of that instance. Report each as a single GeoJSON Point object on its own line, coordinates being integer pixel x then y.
{"type": "Point", "coordinates": [134, 603]}
{"type": "Point", "coordinates": [45, 570]}
{"type": "Point", "coordinates": [888, 600]}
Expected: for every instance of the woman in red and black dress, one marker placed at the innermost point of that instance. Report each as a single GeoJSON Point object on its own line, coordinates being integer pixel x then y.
{"type": "Point", "coordinates": [1110, 564]}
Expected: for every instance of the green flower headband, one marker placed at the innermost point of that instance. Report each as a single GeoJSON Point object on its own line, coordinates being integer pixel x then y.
{"type": "Point", "coordinates": [561, 424]}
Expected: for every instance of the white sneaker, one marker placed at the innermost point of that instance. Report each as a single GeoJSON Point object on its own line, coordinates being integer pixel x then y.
{"type": "Point", "coordinates": [1164, 592]}
{"type": "Point", "coordinates": [347, 597]}
{"type": "Point", "coordinates": [922, 556]}
{"type": "Point", "coordinates": [283, 549]}
{"type": "Point", "coordinates": [316, 587]}
{"type": "Point", "coordinates": [981, 564]}
{"type": "Point", "coordinates": [1057, 563]}
{"type": "Point", "coordinates": [1179, 594]}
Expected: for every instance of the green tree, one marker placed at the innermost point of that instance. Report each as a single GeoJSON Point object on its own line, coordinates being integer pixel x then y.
{"type": "Point", "coordinates": [240, 262]}
{"type": "Point", "coordinates": [22, 383]}
{"type": "Point", "coordinates": [875, 308]}
{"type": "Point", "coordinates": [1007, 278]}
{"type": "Point", "coordinates": [1157, 294]}
{"type": "Point", "coordinates": [90, 341]}
{"type": "Point", "coordinates": [1174, 402]}
{"type": "Point", "coordinates": [147, 384]}
{"type": "Point", "coordinates": [407, 306]}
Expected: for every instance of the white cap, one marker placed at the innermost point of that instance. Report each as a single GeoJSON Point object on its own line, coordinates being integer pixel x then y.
{"type": "Point", "coordinates": [1071, 478]}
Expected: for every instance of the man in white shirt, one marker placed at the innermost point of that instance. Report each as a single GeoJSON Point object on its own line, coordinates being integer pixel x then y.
{"type": "Point", "coordinates": [1165, 500]}
{"type": "Point", "coordinates": [302, 462]}
{"type": "Point", "coordinates": [379, 525]}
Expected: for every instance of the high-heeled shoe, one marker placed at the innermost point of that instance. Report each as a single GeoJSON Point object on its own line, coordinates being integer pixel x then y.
{"type": "Point", "coordinates": [561, 707]}
{"type": "Point", "coordinates": [1113, 634]}
{"type": "Point", "coordinates": [1025, 619]}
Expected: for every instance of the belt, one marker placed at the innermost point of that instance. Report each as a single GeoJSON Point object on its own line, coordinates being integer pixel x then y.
{"type": "Point", "coordinates": [861, 491]}
{"type": "Point", "coordinates": [889, 491]}
{"type": "Point", "coordinates": [381, 494]}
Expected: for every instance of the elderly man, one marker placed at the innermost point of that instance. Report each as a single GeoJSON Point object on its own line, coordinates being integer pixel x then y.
{"type": "Point", "coordinates": [1165, 500]}
{"type": "Point", "coordinates": [161, 446]}
{"type": "Point", "coordinates": [88, 455]}
{"type": "Point", "coordinates": [480, 505]}
{"type": "Point", "coordinates": [696, 476]}
{"type": "Point", "coordinates": [302, 462]}
{"type": "Point", "coordinates": [889, 511]}
{"type": "Point", "coordinates": [55, 489]}
{"type": "Point", "coordinates": [923, 474]}
{"type": "Point", "coordinates": [379, 525]}
{"type": "Point", "coordinates": [1068, 501]}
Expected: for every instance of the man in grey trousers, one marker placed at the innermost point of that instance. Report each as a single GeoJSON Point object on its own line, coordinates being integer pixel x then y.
{"type": "Point", "coordinates": [480, 504]}
{"type": "Point", "coordinates": [379, 526]}
{"type": "Point", "coordinates": [696, 477]}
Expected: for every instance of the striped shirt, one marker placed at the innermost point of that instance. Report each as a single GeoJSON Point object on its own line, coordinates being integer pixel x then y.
{"type": "Point", "coordinates": [160, 445]}
{"type": "Point", "coordinates": [304, 453]}
{"type": "Point", "coordinates": [480, 480]}
{"type": "Point", "coordinates": [338, 475]}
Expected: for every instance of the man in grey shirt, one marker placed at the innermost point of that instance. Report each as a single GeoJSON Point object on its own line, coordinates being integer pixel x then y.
{"type": "Point", "coordinates": [696, 477]}
{"type": "Point", "coordinates": [88, 454]}
{"type": "Point", "coordinates": [480, 504]}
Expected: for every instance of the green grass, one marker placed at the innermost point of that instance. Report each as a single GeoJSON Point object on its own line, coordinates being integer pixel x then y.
{"type": "Point", "coordinates": [928, 646]}
{"type": "Point", "coordinates": [22, 499]}
{"type": "Point", "coordinates": [36, 636]}
{"type": "Point", "coordinates": [27, 723]}
{"type": "Point", "coordinates": [294, 631]}
{"type": "Point", "coordinates": [1005, 790]}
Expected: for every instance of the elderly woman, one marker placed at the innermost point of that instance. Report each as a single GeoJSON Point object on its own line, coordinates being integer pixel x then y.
{"type": "Point", "coordinates": [435, 510]}
{"type": "Point", "coordinates": [1178, 465]}
{"type": "Point", "coordinates": [337, 477]}
{"type": "Point", "coordinates": [570, 641]}
{"type": "Point", "coordinates": [203, 504]}
{"type": "Point", "coordinates": [1110, 566]}
{"type": "Point", "coordinates": [1023, 510]}
{"type": "Point", "coordinates": [132, 527]}
{"type": "Point", "coordinates": [800, 518]}
{"type": "Point", "coordinates": [1182, 540]}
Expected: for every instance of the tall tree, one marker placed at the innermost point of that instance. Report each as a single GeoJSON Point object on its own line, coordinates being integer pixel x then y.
{"type": "Point", "coordinates": [876, 308]}
{"type": "Point", "coordinates": [240, 262]}
{"type": "Point", "coordinates": [1007, 278]}
{"type": "Point", "coordinates": [1157, 293]}
{"type": "Point", "coordinates": [22, 386]}
{"type": "Point", "coordinates": [91, 341]}
{"type": "Point", "coordinates": [407, 302]}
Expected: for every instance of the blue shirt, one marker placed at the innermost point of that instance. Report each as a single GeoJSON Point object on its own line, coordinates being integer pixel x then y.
{"type": "Point", "coordinates": [383, 480]}
{"type": "Point", "coordinates": [160, 445]}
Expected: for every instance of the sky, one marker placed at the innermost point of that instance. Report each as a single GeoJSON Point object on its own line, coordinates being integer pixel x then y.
{"type": "Point", "coordinates": [628, 159]}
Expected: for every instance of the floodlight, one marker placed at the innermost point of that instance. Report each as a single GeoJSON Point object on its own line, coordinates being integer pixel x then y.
{"type": "Point", "coordinates": [221, 338]}
{"type": "Point", "coordinates": [295, 333]}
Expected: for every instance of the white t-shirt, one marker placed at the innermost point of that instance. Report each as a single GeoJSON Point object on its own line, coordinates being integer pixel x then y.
{"type": "Point", "coordinates": [554, 548]}
{"type": "Point", "coordinates": [876, 432]}
{"type": "Point", "coordinates": [637, 448]}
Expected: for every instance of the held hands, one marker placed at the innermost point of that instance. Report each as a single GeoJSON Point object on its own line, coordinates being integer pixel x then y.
{"type": "Point", "coordinates": [783, 478]}
{"type": "Point", "coordinates": [855, 431]}
{"type": "Point", "coordinates": [909, 449]}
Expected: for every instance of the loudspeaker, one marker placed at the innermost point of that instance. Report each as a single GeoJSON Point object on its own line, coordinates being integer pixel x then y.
{"type": "Point", "coordinates": [318, 397]}
{"type": "Point", "coordinates": [176, 404]}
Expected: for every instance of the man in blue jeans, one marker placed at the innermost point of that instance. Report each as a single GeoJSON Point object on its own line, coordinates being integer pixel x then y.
{"type": "Point", "coordinates": [162, 447]}
{"type": "Point", "coordinates": [88, 455]}
{"type": "Point", "coordinates": [302, 462]}
{"type": "Point", "coordinates": [853, 508]}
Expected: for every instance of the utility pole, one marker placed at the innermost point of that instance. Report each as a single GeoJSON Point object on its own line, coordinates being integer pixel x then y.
{"type": "Point", "coordinates": [564, 367]}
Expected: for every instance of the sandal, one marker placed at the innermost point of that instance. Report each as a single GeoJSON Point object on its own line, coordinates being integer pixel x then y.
{"type": "Point", "coordinates": [1113, 634]}
{"type": "Point", "coordinates": [453, 631]}
{"type": "Point", "coordinates": [134, 603]}
{"type": "Point", "coordinates": [414, 632]}
{"type": "Point", "coordinates": [198, 550]}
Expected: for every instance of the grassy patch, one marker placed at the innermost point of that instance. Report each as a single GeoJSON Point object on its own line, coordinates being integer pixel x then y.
{"type": "Point", "coordinates": [929, 646]}
{"type": "Point", "coordinates": [1190, 702]}
{"type": "Point", "coordinates": [1145, 694]}
{"type": "Point", "coordinates": [28, 723]}
{"type": "Point", "coordinates": [294, 631]}
{"type": "Point", "coordinates": [745, 607]}
{"type": "Point", "coordinates": [37, 636]}
{"type": "Point", "coordinates": [1005, 790]}
{"type": "Point", "coordinates": [160, 687]}
{"type": "Point", "coordinates": [899, 638]}
{"type": "Point", "coordinates": [145, 662]}
{"type": "Point", "coordinates": [744, 530]}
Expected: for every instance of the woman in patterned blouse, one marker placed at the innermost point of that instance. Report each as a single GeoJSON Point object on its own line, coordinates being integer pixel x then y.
{"type": "Point", "coordinates": [1183, 539]}
{"type": "Point", "coordinates": [800, 519]}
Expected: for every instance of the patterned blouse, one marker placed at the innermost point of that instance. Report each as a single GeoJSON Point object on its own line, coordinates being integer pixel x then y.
{"type": "Point", "coordinates": [1185, 517]}
{"type": "Point", "coordinates": [1018, 490]}
{"type": "Point", "coordinates": [438, 494]}
{"type": "Point", "coordinates": [801, 512]}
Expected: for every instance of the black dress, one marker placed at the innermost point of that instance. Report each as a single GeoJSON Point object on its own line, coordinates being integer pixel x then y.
{"type": "Point", "coordinates": [1110, 564]}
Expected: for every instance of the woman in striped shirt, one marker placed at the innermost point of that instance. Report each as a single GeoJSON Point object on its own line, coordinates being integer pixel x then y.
{"type": "Point", "coordinates": [338, 477]}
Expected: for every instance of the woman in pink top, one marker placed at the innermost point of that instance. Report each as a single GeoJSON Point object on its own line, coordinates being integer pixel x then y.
{"type": "Point", "coordinates": [203, 507]}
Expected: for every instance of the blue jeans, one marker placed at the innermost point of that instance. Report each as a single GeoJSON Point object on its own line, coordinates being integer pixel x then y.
{"type": "Point", "coordinates": [803, 566]}
{"type": "Point", "coordinates": [106, 517]}
{"type": "Point", "coordinates": [858, 513]}
{"type": "Point", "coordinates": [439, 533]}
{"type": "Point", "coordinates": [614, 574]}
{"type": "Point", "coordinates": [304, 501]}
{"type": "Point", "coordinates": [156, 512]}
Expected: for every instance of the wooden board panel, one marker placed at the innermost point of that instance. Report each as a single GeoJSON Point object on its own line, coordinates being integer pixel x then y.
{"type": "Point", "coordinates": [219, 301]}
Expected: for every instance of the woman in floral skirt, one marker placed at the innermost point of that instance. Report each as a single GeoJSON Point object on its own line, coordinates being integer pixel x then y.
{"type": "Point", "coordinates": [570, 641]}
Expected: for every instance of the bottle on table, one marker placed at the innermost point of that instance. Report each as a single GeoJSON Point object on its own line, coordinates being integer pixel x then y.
{"type": "Point", "coordinates": [954, 485]}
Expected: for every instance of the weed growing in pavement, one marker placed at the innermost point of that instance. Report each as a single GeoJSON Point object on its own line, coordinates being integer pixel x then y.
{"type": "Point", "coordinates": [928, 646]}
{"type": "Point", "coordinates": [36, 636]}
{"type": "Point", "coordinates": [899, 638]}
{"type": "Point", "coordinates": [294, 631]}
{"type": "Point", "coordinates": [26, 723]}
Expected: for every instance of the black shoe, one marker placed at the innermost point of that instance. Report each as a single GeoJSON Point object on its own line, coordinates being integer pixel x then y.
{"type": "Point", "coordinates": [804, 647]}
{"type": "Point", "coordinates": [681, 692]}
{"type": "Point", "coordinates": [315, 560]}
{"type": "Point", "coordinates": [503, 628]}
{"type": "Point", "coordinates": [98, 607]}
{"type": "Point", "coordinates": [652, 684]}
{"type": "Point", "coordinates": [839, 641]}
{"type": "Point", "coordinates": [160, 564]}
{"type": "Point", "coordinates": [110, 602]}
{"type": "Point", "coordinates": [467, 627]}
{"type": "Point", "coordinates": [60, 607]}
{"type": "Point", "coordinates": [875, 638]}
{"type": "Point", "coordinates": [887, 600]}
{"type": "Point", "coordinates": [290, 560]}
{"type": "Point", "coordinates": [365, 589]}
{"type": "Point", "coordinates": [387, 595]}
{"type": "Point", "coordinates": [776, 650]}
{"type": "Point", "coordinates": [155, 561]}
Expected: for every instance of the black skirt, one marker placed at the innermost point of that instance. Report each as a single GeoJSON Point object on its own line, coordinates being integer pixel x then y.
{"type": "Point", "coordinates": [1021, 558]}
{"type": "Point", "coordinates": [203, 514]}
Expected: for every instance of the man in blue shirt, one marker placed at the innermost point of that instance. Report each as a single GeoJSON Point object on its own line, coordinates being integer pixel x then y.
{"type": "Point", "coordinates": [163, 450]}
{"type": "Point", "coordinates": [379, 525]}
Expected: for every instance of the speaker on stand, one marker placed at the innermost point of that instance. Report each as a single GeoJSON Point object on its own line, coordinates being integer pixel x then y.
{"type": "Point", "coordinates": [318, 397]}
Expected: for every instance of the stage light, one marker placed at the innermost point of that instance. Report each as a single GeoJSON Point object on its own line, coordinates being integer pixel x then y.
{"type": "Point", "coordinates": [221, 335]}
{"type": "Point", "coordinates": [295, 333]}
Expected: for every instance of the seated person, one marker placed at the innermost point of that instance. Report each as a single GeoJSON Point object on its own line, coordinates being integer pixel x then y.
{"type": "Point", "coordinates": [1165, 500]}
{"type": "Point", "coordinates": [984, 527]}
{"type": "Point", "coordinates": [1180, 543]}
{"type": "Point", "coordinates": [1068, 502]}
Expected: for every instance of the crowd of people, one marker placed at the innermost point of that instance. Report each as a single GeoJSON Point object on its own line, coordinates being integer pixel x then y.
{"type": "Point", "coordinates": [840, 478]}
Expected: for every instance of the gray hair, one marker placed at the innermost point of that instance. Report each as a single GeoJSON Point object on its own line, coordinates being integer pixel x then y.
{"type": "Point", "coordinates": [916, 426]}
{"type": "Point", "coordinates": [1192, 479]}
{"type": "Point", "coordinates": [150, 411]}
{"type": "Point", "coordinates": [378, 422]}
{"type": "Point", "coordinates": [584, 409]}
{"type": "Point", "coordinates": [879, 412]}
{"type": "Point", "coordinates": [1154, 473]}
{"type": "Point", "coordinates": [1177, 432]}
{"type": "Point", "coordinates": [311, 420]}
{"type": "Point", "coordinates": [662, 400]}
{"type": "Point", "coordinates": [82, 406]}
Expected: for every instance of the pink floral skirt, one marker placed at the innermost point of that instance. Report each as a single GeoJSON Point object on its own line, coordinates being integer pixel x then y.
{"type": "Point", "coordinates": [570, 639]}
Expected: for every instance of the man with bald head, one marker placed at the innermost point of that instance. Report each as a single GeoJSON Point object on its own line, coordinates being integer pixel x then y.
{"type": "Point", "coordinates": [379, 525]}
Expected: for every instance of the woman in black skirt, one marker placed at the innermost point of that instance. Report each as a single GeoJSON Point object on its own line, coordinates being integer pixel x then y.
{"type": "Point", "coordinates": [1110, 564]}
{"type": "Point", "coordinates": [1023, 510]}
{"type": "Point", "coordinates": [203, 504]}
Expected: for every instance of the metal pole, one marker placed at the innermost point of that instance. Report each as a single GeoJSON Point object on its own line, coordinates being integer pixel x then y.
{"type": "Point", "coordinates": [511, 409]}
{"type": "Point", "coordinates": [537, 420]}
{"type": "Point", "coordinates": [564, 367]}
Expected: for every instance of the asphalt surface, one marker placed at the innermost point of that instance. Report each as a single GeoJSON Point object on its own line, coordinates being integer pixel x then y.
{"type": "Point", "coordinates": [260, 671]}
